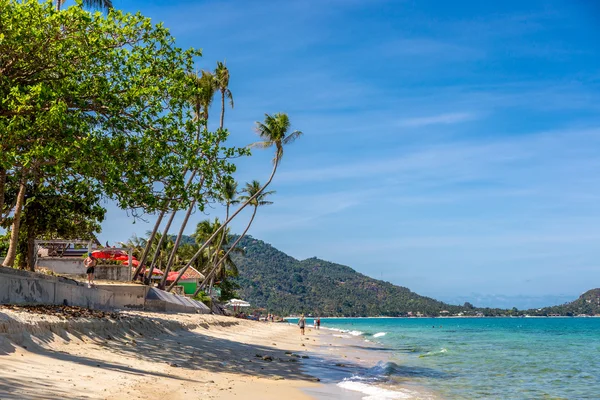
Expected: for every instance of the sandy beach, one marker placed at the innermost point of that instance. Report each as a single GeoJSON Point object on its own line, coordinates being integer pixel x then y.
{"type": "Point", "coordinates": [151, 356]}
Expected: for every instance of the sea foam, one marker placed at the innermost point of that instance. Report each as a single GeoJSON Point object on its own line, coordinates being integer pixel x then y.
{"type": "Point", "coordinates": [374, 392]}
{"type": "Point", "coordinates": [379, 334]}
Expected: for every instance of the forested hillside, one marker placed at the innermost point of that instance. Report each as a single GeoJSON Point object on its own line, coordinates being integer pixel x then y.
{"type": "Point", "coordinates": [587, 304]}
{"type": "Point", "coordinates": [271, 279]}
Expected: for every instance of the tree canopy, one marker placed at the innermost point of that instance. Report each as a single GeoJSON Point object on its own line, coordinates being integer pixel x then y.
{"type": "Point", "coordinates": [101, 100]}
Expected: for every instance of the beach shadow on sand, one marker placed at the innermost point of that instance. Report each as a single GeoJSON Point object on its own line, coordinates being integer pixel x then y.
{"type": "Point", "coordinates": [177, 350]}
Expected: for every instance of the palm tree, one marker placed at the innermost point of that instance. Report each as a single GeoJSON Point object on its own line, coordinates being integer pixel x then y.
{"type": "Point", "coordinates": [204, 230]}
{"type": "Point", "coordinates": [228, 195]}
{"type": "Point", "coordinates": [204, 90]}
{"type": "Point", "coordinates": [256, 197]}
{"type": "Point", "coordinates": [97, 4]}
{"type": "Point", "coordinates": [161, 251]}
{"type": "Point", "coordinates": [202, 93]}
{"type": "Point", "coordinates": [205, 86]}
{"type": "Point", "coordinates": [136, 244]}
{"type": "Point", "coordinates": [222, 84]}
{"type": "Point", "coordinates": [225, 266]}
{"type": "Point", "coordinates": [274, 132]}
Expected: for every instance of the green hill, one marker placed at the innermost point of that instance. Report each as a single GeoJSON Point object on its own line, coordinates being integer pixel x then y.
{"type": "Point", "coordinates": [587, 304]}
{"type": "Point", "coordinates": [271, 279]}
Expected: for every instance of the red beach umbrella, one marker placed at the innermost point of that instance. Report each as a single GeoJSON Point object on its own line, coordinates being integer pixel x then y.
{"type": "Point", "coordinates": [125, 258]}
{"type": "Point", "coordinates": [135, 263]}
{"type": "Point", "coordinates": [172, 275]}
{"type": "Point", "coordinates": [101, 254]}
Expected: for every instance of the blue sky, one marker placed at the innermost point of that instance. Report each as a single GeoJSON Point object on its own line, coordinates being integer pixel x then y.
{"type": "Point", "coordinates": [450, 147]}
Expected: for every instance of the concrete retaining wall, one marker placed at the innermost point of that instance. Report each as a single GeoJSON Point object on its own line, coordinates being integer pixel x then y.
{"type": "Point", "coordinates": [120, 273]}
{"type": "Point", "coordinates": [127, 296]}
{"type": "Point", "coordinates": [74, 266]}
{"type": "Point", "coordinates": [61, 265]}
{"type": "Point", "coordinates": [24, 287]}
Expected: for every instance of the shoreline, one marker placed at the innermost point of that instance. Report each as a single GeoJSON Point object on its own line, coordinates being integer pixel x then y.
{"type": "Point", "coordinates": [355, 367]}
{"type": "Point", "coordinates": [160, 356]}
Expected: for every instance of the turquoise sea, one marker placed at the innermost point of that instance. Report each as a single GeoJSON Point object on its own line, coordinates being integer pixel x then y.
{"type": "Point", "coordinates": [477, 358]}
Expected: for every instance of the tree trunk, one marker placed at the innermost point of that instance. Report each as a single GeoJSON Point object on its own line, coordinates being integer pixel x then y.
{"type": "Point", "coordinates": [222, 107]}
{"type": "Point", "coordinates": [222, 238]}
{"type": "Point", "coordinates": [14, 233]}
{"type": "Point", "coordinates": [146, 251]}
{"type": "Point", "coordinates": [211, 238]}
{"type": "Point", "coordinates": [31, 247]}
{"type": "Point", "coordinates": [158, 246]}
{"type": "Point", "coordinates": [2, 189]}
{"type": "Point", "coordinates": [171, 260]}
{"type": "Point", "coordinates": [222, 259]}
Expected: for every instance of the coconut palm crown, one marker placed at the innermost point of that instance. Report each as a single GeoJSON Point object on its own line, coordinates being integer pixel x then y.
{"type": "Point", "coordinates": [222, 84]}
{"type": "Point", "coordinates": [274, 132]}
{"type": "Point", "coordinates": [251, 189]}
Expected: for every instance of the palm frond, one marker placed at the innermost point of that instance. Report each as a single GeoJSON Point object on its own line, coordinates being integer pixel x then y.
{"type": "Point", "coordinates": [292, 137]}
{"type": "Point", "coordinates": [261, 145]}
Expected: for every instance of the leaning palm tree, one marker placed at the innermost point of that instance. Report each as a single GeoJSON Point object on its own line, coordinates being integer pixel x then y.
{"type": "Point", "coordinates": [97, 4]}
{"type": "Point", "coordinates": [228, 196]}
{"type": "Point", "coordinates": [204, 230]}
{"type": "Point", "coordinates": [274, 132]}
{"type": "Point", "coordinates": [221, 75]}
{"type": "Point", "coordinates": [202, 90]}
{"type": "Point", "coordinates": [256, 197]}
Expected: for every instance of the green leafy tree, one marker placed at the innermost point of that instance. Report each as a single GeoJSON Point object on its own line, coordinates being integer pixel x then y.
{"type": "Point", "coordinates": [101, 99]}
{"type": "Point", "coordinates": [203, 88]}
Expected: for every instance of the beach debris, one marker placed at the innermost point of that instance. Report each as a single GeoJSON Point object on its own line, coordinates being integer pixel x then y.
{"type": "Point", "coordinates": [258, 355]}
{"type": "Point", "coordinates": [278, 378]}
{"type": "Point", "coordinates": [267, 358]}
{"type": "Point", "coordinates": [313, 379]}
{"type": "Point", "coordinates": [340, 365]}
{"type": "Point", "coordinates": [172, 364]}
{"type": "Point", "coordinates": [288, 353]}
{"type": "Point", "coordinates": [305, 357]}
{"type": "Point", "coordinates": [303, 345]}
{"type": "Point", "coordinates": [62, 311]}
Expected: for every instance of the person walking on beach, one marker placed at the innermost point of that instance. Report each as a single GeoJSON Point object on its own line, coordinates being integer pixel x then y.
{"type": "Point", "coordinates": [318, 323]}
{"type": "Point", "coordinates": [301, 324]}
{"type": "Point", "coordinates": [90, 262]}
